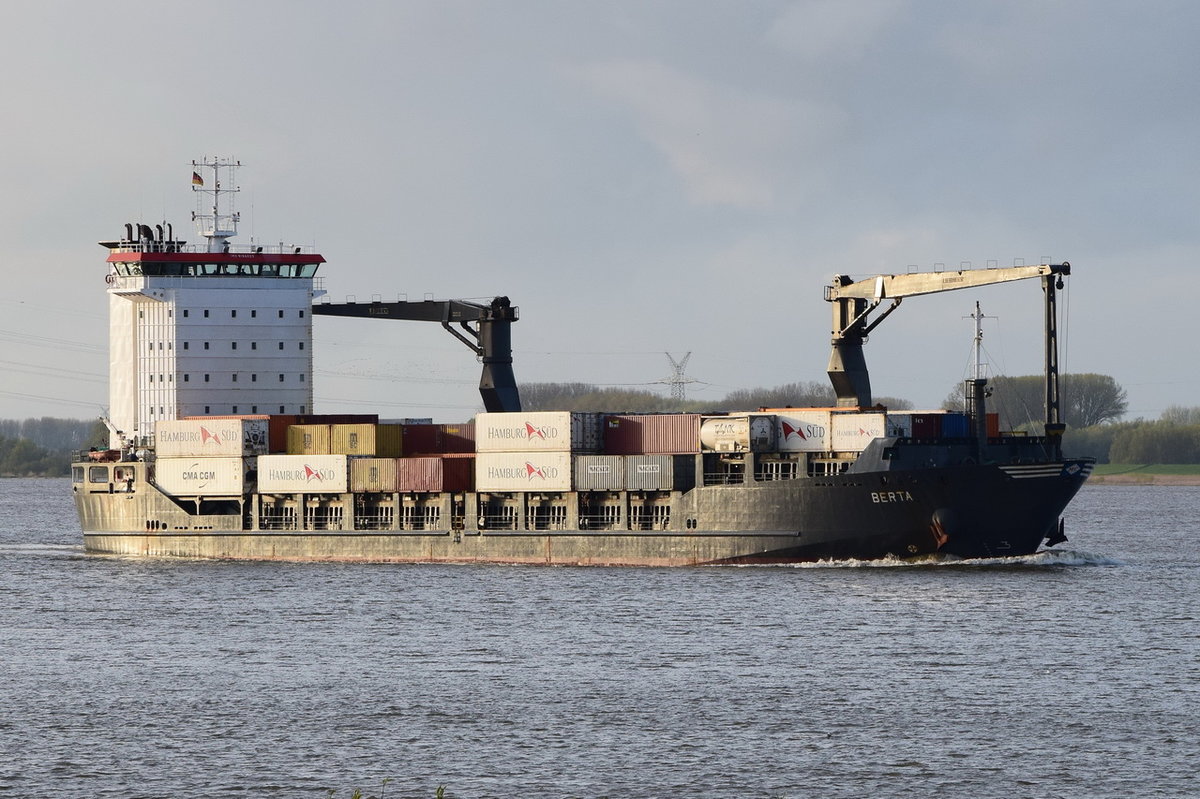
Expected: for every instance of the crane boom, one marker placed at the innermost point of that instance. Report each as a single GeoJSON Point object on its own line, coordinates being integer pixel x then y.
{"type": "Point", "coordinates": [854, 301]}
{"type": "Point", "coordinates": [490, 339]}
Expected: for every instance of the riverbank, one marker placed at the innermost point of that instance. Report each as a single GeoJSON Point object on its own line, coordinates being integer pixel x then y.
{"type": "Point", "coordinates": [1184, 474]}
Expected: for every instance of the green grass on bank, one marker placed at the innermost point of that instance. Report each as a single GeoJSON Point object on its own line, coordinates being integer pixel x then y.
{"type": "Point", "coordinates": [1105, 469]}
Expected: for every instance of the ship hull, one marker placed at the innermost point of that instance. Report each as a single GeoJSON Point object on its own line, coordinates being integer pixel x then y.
{"type": "Point", "coordinates": [966, 511]}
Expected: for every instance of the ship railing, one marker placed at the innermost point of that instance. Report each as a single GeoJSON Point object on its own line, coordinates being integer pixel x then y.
{"type": "Point", "coordinates": [253, 248]}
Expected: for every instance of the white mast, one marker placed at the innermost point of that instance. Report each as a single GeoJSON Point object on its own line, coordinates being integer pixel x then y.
{"type": "Point", "coordinates": [213, 224]}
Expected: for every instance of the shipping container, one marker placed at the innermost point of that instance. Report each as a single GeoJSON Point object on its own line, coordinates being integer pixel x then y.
{"type": "Point", "coordinates": [307, 474]}
{"type": "Point", "coordinates": [652, 433]}
{"type": "Point", "coordinates": [927, 424]}
{"type": "Point", "coordinates": [438, 439]}
{"type": "Point", "coordinates": [599, 473]}
{"type": "Point", "coordinates": [211, 437]}
{"type": "Point", "coordinates": [431, 474]}
{"type": "Point", "coordinates": [852, 432]}
{"type": "Point", "coordinates": [539, 431]}
{"type": "Point", "coordinates": [368, 440]}
{"type": "Point", "coordinates": [741, 432]}
{"type": "Point", "coordinates": [523, 471]}
{"type": "Point", "coordinates": [373, 475]}
{"type": "Point", "coordinates": [955, 425]}
{"type": "Point", "coordinates": [900, 424]}
{"type": "Point", "coordinates": [660, 472]}
{"type": "Point", "coordinates": [338, 418]}
{"type": "Point", "coordinates": [308, 439]}
{"type": "Point", "coordinates": [207, 476]}
{"type": "Point", "coordinates": [993, 425]}
{"type": "Point", "coordinates": [803, 430]}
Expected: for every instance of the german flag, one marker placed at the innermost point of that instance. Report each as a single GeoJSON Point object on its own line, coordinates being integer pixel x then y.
{"type": "Point", "coordinates": [197, 180]}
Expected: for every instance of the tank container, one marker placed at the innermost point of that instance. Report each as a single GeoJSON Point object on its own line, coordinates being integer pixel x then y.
{"type": "Point", "coordinates": [308, 439]}
{"type": "Point", "coordinates": [803, 430]}
{"type": "Point", "coordinates": [652, 433]}
{"type": "Point", "coordinates": [599, 473]}
{"type": "Point", "coordinates": [307, 474]}
{"type": "Point", "coordinates": [853, 431]}
{"type": "Point", "coordinates": [743, 432]}
{"type": "Point", "coordinates": [544, 431]}
{"type": "Point", "coordinates": [373, 474]}
{"type": "Point", "coordinates": [660, 472]}
{"type": "Point", "coordinates": [371, 440]}
{"type": "Point", "coordinates": [523, 471]}
{"type": "Point", "coordinates": [206, 476]}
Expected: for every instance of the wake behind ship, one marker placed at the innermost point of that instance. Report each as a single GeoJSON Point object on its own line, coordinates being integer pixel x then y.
{"type": "Point", "coordinates": [216, 452]}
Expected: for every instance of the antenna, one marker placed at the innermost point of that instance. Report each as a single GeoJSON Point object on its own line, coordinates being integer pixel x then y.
{"type": "Point", "coordinates": [215, 224]}
{"type": "Point", "coordinates": [979, 367]}
{"type": "Point", "coordinates": [677, 380]}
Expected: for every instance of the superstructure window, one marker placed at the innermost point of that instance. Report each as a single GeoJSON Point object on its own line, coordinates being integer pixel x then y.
{"type": "Point", "coordinates": [234, 409]}
{"type": "Point", "coordinates": [254, 378]}
{"type": "Point", "coordinates": [281, 409]}
{"type": "Point", "coordinates": [234, 345]}
{"type": "Point", "coordinates": [302, 314]}
{"type": "Point", "coordinates": [281, 314]}
{"type": "Point", "coordinates": [301, 345]}
{"type": "Point", "coordinates": [205, 313]}
{"type": "Point", "coordinates": [281, 380]}
{"type": "Point", "coordinates": [235, 377]}
{"type": "Point", "coordinates": [187, 378]}
{"type": "Point", "coordinates": [185, 313]}
{"type": "Point", "coordinates": [185, 345]}
{"type": "Point", "coordinates": [254, 314]}
{"type": "Point", "coordinates": [301, 378]}
{"type": "Point", "coordinates": [233, 314]}
{"type": "Point", "coordinates": [206, 380]}
{"type": "Point", "coordinates": [253, 345]}
{"type": "Point", "coordinates": [281, 345]}
{"type": "Point", "coordinates": [206, 345]}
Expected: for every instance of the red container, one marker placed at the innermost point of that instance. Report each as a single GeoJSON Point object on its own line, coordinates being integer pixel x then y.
{"type": "Point", "coordinates": [438, 439]}
{"type": "Point", "coordinates": [652, 434]}
{"type": "Point", "coordinates": [927, 425]}
{"type": "Point", "coordinates": [993, 425]}
{"type": "Point", "coordinates": [435, 474]}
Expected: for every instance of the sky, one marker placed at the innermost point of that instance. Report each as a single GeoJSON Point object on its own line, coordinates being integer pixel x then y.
{"type": "Point", "coordinates": [640, 178]}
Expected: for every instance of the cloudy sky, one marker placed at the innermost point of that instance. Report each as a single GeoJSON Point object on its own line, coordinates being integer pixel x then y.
{"type": "Point", "coordinates": [639, 177]}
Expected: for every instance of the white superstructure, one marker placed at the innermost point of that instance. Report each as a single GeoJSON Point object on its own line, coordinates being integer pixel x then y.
{"type": "Point", "coordinates": [207, 330]}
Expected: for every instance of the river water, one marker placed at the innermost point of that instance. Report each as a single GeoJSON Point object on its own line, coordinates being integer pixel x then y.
{"type": "Point", "coordinates": [1074, 674]}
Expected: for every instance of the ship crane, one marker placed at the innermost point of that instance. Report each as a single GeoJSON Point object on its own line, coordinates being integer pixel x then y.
{"type": "Point", "coordinates": [855, 301]}
{"type": "Point", "coordinates": [490, 338]}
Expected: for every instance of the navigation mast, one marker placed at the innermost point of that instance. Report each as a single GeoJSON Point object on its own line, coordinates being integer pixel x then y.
{"type": "Point", "coordinates": [212, 224]}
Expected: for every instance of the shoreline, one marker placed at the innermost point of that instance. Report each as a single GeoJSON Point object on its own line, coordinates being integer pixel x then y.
{"type": "Point", "coordinates": [1143, 479]}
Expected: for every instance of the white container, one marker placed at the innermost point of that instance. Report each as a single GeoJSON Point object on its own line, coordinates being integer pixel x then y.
{"type": "Point", "coordinates": [209, 477]}
{"type": "Point", "coordinates": [302, 474]}
{"type": "Point", "coordinates": [742, 432]}
{"type": "Point", "coordinates": [852, 432]}
{"type": "Point", "coordinates": [204, 438]}
{"type": "Point", "coordinates": [538, 431]}
{"type": "Point", "coordinates": [523, 471]}
{"type": "Point", "coordinates": [802, 430]}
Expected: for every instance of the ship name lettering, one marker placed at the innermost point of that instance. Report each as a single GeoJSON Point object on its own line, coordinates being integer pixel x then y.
{"type": "Point", "coordinates": [880, 497]}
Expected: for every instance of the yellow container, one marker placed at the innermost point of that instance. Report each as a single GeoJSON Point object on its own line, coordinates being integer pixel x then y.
{"type": "Point", "coordinates": [369, 440]}
{"type": "Point", "coordinates": [309, 439]}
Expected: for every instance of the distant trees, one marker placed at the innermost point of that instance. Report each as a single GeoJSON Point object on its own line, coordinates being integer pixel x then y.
{"type": "Point", "coordinates": [43, 447]}
{"type": "Point", "coordinates": [585, 397]}
{"type": "Point", "coordinates": [1085, 400]}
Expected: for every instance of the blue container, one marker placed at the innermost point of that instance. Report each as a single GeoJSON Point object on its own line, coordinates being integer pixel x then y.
{"type": "Point", "coordinates": [955, 425]}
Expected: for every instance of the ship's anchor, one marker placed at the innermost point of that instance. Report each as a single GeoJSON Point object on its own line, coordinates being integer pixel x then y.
{"type": "Point", "coordinates": [942, 518]}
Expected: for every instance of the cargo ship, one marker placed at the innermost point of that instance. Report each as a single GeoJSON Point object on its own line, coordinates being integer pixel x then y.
{"type": "Point", "coordinates": [216, 450]}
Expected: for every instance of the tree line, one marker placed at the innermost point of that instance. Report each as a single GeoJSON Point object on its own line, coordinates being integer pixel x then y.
{"type": "Point", "coordinates": [44, 447]}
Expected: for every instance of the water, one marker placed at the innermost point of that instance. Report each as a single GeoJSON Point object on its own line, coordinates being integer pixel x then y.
{"type": "Point", "coordinates": [1068, 675]}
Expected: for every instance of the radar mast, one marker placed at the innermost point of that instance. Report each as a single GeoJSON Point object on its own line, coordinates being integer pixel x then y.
{"type": "Point", "coordinates": [214, 183]}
